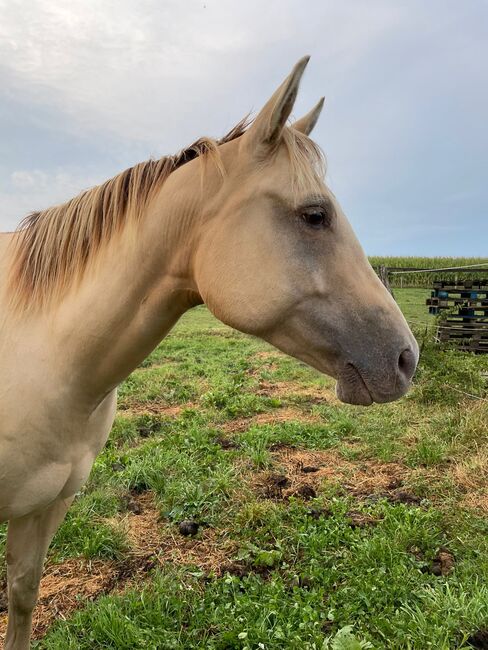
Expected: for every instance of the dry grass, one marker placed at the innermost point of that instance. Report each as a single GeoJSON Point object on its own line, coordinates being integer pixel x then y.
{"type": "Point", "coordinates": [148, 536]}
{"type": "Point", "coordinates": [304, 472]}
{"type": "Point", "coordinates": [154, 408]}
{"type": "Point", "coordinates": [287, 414]}
{"type": "Point", "coordinates": [67, 586]}
{"type": "Point", "coordinates": [284, 389]}
{"type": "Point", "coordinates": [471, 476]}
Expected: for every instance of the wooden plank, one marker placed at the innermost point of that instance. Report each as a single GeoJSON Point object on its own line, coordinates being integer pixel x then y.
{"type": "Point", "coordinates": [443, 336]}
{"type": "Point", "coordinates": [465, 318]}
{"type": "Point", "coordinates": [466, 325]}
{"type": "Point", "coordinates": [478, 282]}
{"type": "Point", "coordinates": [459, 288]}
{"type": "Point", "coordinates": [466, 313]}
{"type": "Point", "coordinates": [467, 345]}
{"type": "Point", "coordinates": [480, 303]}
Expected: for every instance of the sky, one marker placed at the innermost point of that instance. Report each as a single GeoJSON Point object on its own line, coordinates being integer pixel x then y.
{"type": "Point", "coordinates": [90, 87]}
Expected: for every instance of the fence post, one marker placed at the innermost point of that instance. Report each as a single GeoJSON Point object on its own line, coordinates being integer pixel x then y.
{"type": "Point", "coordinates": [383, 275]}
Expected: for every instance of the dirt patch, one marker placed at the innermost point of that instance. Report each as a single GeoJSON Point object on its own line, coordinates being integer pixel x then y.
{"type": "Point", "coordinates": [360, 519]}
{"type": "Point", "coordinates": [143, 527]}
{"type": "Point", "coordinates": [67, 586]}
{"type": "Point", "coordinates": [313, 394]}
{"type": "Point", "coordinates": [403, 496]}
{"type": "Point", "coordinates": [153, 408]}
{"type": "Point", "coordinates": [303, 472]}
{"type": "Point", "coordinates": [209, 551]}
{"type": "Point", "coordinates": [270, 359]}
{"type": "Point", "coordinates": [269, 355]}
{"type": "Point", "coordinates": [287, 414]}
{"type": "Point", "coordinates": [241, 569]}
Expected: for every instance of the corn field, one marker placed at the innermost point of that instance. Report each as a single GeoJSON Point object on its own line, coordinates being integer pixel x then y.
{"type": "Point", "coordinates": [408, 280]}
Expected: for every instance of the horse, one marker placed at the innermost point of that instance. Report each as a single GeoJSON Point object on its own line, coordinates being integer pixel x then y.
{"type": "Point", "coordinates": [245, 225]}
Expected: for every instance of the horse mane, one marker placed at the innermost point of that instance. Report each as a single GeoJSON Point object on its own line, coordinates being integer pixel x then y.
{"type": "Point", "coordinates": [53, 247]}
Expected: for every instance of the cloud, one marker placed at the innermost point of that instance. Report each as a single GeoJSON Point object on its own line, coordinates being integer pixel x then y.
{"type": "Point", "coordinates": [137, 70]}
{"type": "Point", "coordinates": [23, 179]}
{"type": "Point", "coordinates": [90, 87]}
{"type": "Point", "coordinates": [28, 190]}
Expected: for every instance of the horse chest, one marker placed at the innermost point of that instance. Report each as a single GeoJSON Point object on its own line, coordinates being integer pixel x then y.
{"type": "Point", "coordinates": [52, 459]}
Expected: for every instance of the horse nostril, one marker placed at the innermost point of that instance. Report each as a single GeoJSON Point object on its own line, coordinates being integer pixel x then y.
{"type": "Point", "coordinates": [407, 363]}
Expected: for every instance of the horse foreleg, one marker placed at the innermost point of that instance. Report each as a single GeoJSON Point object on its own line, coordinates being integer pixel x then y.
{"type": "Point", "coordinates": [27, 542]}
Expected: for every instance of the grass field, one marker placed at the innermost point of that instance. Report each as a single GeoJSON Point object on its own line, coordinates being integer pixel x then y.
{"type": "Point", "coordinates": [320, 525]}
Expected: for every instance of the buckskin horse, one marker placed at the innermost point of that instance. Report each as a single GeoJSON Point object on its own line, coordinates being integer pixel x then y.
{"type": "Point", "coordinates": [245, 225]}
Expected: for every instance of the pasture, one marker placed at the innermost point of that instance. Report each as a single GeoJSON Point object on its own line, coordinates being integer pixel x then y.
{"type": "Point", "coordinates": [320, 525]}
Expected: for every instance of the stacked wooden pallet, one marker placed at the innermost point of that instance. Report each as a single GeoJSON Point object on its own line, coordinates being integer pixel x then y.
{"type": "Point", "coordinates": [464, 309]}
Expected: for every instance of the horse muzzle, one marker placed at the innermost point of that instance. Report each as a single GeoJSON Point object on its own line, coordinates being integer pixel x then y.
{"type": "Point", "coordinates": [368, 381]}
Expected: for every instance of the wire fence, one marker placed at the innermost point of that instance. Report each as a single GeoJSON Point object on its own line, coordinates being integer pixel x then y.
{"type": "Point", "coordinates": [472, 267]}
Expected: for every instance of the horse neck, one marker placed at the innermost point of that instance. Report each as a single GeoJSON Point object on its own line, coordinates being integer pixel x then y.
{"type": "Point", "coordinates": [141, 285]}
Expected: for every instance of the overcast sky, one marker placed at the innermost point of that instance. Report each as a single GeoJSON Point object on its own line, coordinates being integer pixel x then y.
{"type": "Point", "coordinates": [89, 87]}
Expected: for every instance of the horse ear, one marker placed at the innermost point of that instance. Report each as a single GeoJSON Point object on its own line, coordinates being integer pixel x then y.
{"type": "Point", "coordinates": [268, 125]}
{"type": "Point", "coordinates": [306, 123]}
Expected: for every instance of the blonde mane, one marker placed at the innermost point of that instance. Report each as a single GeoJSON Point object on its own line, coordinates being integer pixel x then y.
{"type": "Point", "coordinates": [53, 247]}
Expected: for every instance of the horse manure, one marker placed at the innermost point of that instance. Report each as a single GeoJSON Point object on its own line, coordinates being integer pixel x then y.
{"type": "Point", "coordinates": [305, 492]}
{"type": "Point", "coordinates": [145, 431]}
{"type": "Point", "coordinates": [237, 569]}
{"type": "Point", "coordinates": [443, 563]}
{"type": "Point", "coordinates": [273, 486]}
{"type": "Point", "coordinates": [140, 488]}
{"type": "Point", "coordinates": [317, 513]}
{"type": "Point", "coordinates": [397, 496]}
{"type": "Point", "coordinates": [225, 443]}
{"type": "Point", "coordinates": [401, 496]}
{"type": "Point", "coordinates": [130, 504]}
{"type": "Point", "coordinates": [279, 480]}
{"type": "Point", "coordinates": [149, 428]}
{"type": "Point", "coordinates": [134, 507]}
{"type": "Point", "coordinates": [309, 469]}
{"type": "Point", "coordinates": [188, 528]}
{"type": "Point", "coordinates": [479, 640]}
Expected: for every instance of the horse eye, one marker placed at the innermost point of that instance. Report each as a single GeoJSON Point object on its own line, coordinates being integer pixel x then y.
{"type": "Point", "coordinates": [314, 217]}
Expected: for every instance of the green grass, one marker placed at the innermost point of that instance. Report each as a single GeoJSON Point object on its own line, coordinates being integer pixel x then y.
{"type": "Point", "coordinates": [309, 577]}
{"type": "Point", "coordinates": [413, 306]}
